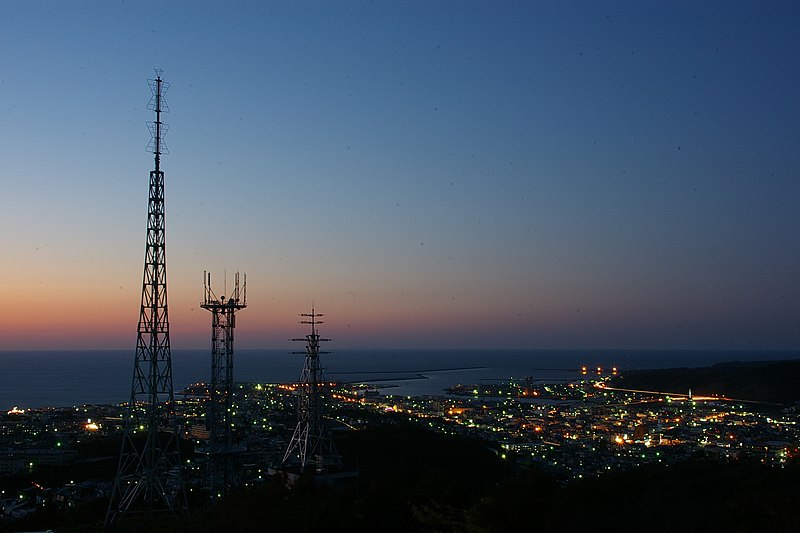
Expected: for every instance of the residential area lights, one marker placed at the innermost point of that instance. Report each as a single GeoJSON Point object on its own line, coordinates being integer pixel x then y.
{"type": "Point", "coordinates": [571, 430]}
{"type": "Point", "coordinates": [587, 428]}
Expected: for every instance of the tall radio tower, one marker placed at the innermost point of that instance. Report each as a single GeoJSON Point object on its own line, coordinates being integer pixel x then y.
{"type": "Point", "coordinates": [221, 474]}
{"type": "Point", "coordinates": [149, 477]}
{"type": "Point", "coordinates": [311, 441]}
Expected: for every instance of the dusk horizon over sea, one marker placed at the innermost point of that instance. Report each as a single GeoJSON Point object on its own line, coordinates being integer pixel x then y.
{"type": "Point", "coordinates": [427, 174]}
{"type": "Point", "coordinates": [457, 239]}
{"type": "Point", "coordinates": [61, 378]}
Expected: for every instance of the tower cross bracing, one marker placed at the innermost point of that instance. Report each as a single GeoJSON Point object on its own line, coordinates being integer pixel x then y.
{"type": "Point", "coordinates": [221, 474]}
{"type": "Point", "coordinates": [149, 477]}
{"type": "Point", "coordinates": [311, 442]}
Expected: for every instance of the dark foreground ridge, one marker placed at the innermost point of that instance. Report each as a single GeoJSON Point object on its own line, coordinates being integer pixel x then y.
{"type": "Point", "coordinates": [411, 479]}
{"type": "Point", "coordinates": [767, 381]}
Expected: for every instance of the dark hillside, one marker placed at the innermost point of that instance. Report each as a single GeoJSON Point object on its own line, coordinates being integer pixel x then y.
{"type": "Point", "coordinates": [417, 480]}
{"type": "Point", "coordinates": [691, 497]}
{"type": "Point", "coordinates": [771, 381]}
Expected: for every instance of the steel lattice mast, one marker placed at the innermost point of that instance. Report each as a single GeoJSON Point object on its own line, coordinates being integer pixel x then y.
{"type": "Point", "coordinates": [222, 474]}
{"type": "Point", "coordinates": [311, 441]}
{"type": "Point", "coordinates": [149, 477]}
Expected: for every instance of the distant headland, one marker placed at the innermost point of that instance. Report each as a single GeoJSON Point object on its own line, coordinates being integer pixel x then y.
{"type": "Point", "coordinates": [761, 381]}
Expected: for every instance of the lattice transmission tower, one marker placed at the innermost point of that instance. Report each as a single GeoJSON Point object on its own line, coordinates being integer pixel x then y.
{"type": "Point", "coordinates": [222, 469]}
{"type": "Point", "coordinates": [149, 479]}
{"type": "Point", "coordinates": [311, 442]}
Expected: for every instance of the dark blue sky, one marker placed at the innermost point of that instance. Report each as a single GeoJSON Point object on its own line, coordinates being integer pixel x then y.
{"type": "Point", "coordinates": [461, 174]}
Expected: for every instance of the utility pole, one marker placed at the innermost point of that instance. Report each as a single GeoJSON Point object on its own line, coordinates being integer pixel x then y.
{"type": "Point", "coordinates": [311, 441]}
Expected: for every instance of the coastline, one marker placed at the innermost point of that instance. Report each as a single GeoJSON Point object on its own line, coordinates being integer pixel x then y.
{"type": "Point", "coordinates": [33, 379]}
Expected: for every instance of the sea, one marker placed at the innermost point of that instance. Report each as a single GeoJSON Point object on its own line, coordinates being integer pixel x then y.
{"type": "Point", "coordinates": [38, 379]}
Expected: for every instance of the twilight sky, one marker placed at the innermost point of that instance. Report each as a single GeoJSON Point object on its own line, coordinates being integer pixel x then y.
{"type": "Point", "coordinates": [429, 173]}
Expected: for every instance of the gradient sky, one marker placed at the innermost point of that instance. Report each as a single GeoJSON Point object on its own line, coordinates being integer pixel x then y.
{"type": "Point", "coordinates": [429, 173]}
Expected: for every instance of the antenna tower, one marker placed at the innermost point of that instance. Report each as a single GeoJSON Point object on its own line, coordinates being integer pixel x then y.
{"type": "Point", "coordinates": [222, 473]}
{"type": "Point", "coordinates": [311, 440]}
{"type": "Point", "coordinates": [149, 477]}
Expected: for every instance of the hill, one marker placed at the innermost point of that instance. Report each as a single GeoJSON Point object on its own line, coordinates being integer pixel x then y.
{"type": "Point", "coordinates": [417, 480]}
{"type": "Point", "coordinates": [768, 381]}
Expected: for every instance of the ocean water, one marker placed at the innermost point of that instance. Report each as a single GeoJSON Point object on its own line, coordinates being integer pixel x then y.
{"type": "Point", "coordinates": [64, 378]}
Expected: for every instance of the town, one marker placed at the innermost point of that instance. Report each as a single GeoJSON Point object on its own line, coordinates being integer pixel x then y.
{"type": "Point", "coordinates": [571, 430]}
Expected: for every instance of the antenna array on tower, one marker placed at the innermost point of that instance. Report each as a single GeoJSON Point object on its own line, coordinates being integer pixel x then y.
{"type": "Point", "coordinates": [221, 468]}
{"type": "Point", "coordinates": [149, 474]}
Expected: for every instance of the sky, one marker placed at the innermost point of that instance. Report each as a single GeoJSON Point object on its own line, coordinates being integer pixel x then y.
{"type": "Point", "coordinates": [427, 174]}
